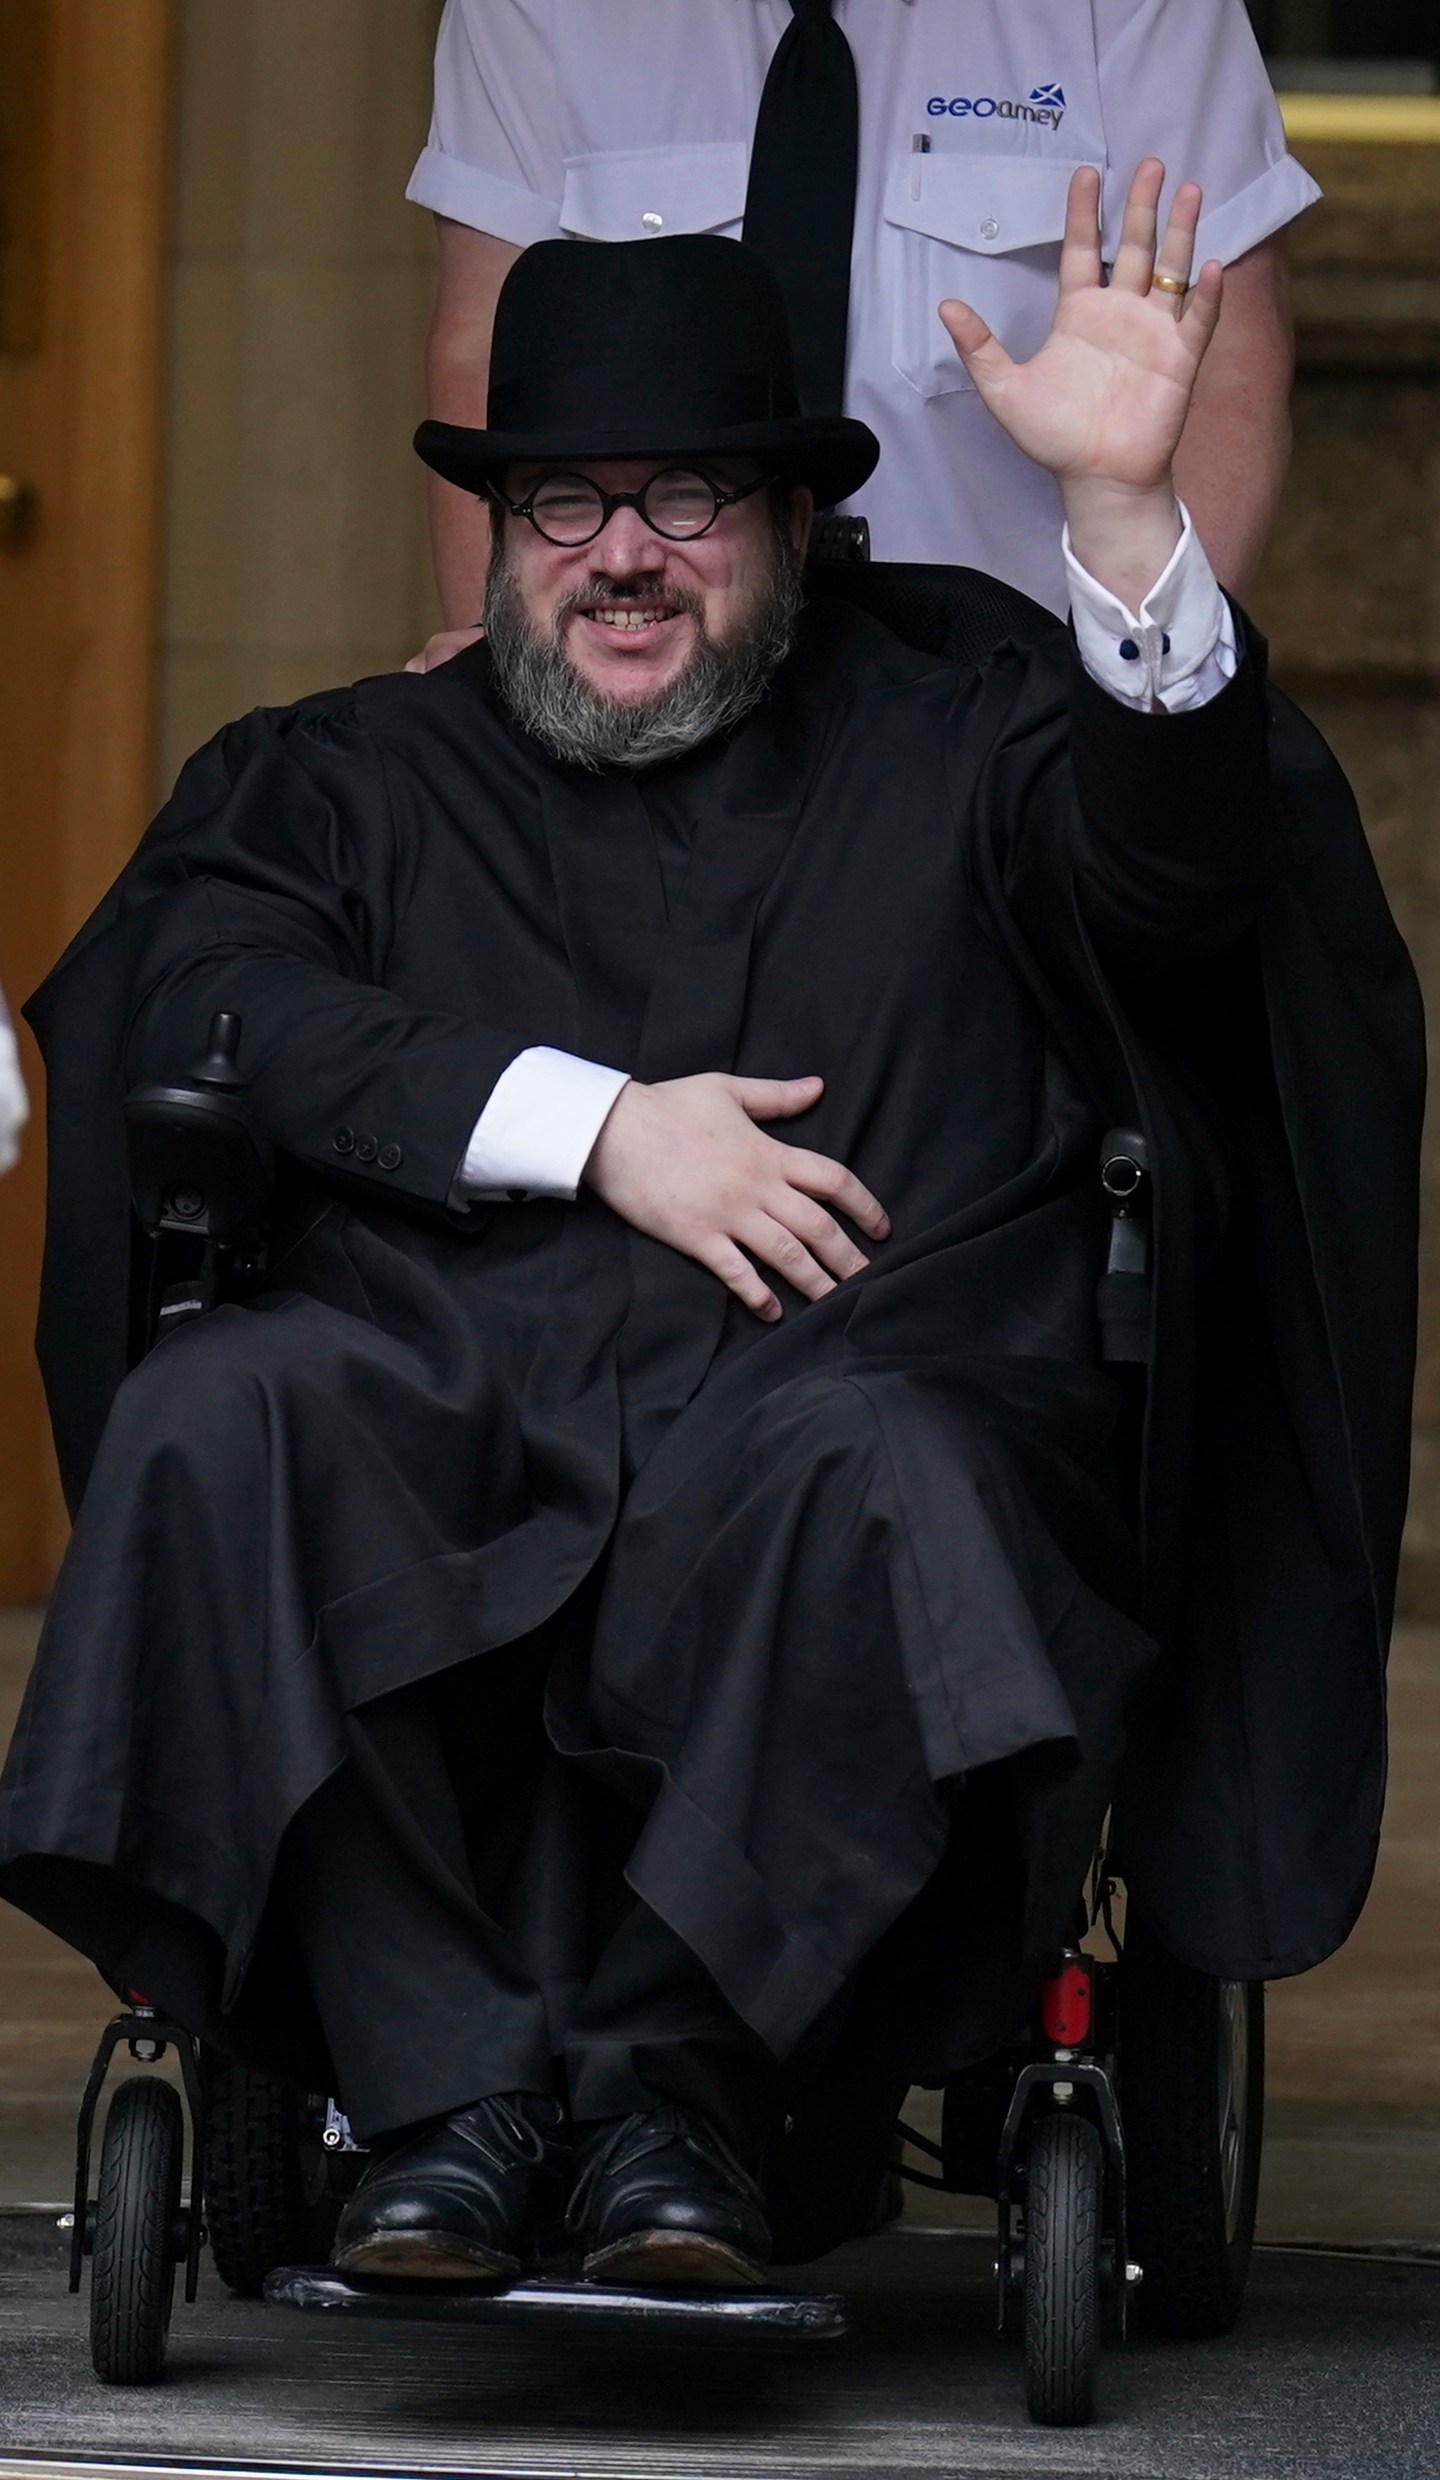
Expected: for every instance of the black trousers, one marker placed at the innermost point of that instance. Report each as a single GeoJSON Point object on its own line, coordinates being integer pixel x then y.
{"type": "Point", "coordinates": [459, 1905]}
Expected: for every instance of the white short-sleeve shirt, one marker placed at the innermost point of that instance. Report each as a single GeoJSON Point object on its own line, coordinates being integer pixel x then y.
{"type": "Point", "coordinates": [14, 1108]}
{"type": "Point", "coordinates": [614, 119]}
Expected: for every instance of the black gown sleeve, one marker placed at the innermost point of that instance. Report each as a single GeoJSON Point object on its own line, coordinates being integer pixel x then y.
{"type": "Point", "coordinates": [1151, 835]}
{"type": "Point", "coordinates": [1169, 840]}
{"type": "Point", "coordinates": [277, 901]}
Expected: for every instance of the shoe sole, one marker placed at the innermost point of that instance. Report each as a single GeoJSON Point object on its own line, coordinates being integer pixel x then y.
{"type": "Point", "coordinates": [424, 2256]}
{"type": "Point", "coordinates": [673, 2260]}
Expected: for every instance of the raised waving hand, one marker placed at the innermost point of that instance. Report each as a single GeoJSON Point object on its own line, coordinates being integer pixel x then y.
{"type": "Point", "coordinates": [1103, 402]}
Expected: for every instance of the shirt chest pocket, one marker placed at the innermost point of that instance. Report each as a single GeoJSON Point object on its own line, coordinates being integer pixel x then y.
{"type": "Point", "coordinates": [979, 228]}
{"type": "Point", "coordinates": [654, 190]}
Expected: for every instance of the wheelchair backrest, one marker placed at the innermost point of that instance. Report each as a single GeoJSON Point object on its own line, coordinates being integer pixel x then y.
{"type": "Point", "coordinates": [958, 614]}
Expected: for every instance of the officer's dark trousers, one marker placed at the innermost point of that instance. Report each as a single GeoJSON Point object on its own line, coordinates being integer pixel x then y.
{"type": "Point", "coordinates": [465, 1928]}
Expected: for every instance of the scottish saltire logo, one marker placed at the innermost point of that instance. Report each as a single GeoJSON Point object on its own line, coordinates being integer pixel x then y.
{"type": "Point", "coordinates": [1048, 94]}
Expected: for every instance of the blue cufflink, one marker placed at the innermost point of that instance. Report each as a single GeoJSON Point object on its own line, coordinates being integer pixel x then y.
{"type": "Point", "coordinates": [1129, 650]}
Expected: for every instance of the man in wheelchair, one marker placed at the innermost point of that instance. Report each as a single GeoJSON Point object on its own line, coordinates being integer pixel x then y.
{"type": "Point", "coordinates": [651, 1586]}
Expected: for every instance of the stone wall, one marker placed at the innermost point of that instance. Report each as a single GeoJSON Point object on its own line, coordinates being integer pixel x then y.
{"type": "Point", "coordinates": [1350, 596]}
{"type": "Point", "coordinates": [299, 292]}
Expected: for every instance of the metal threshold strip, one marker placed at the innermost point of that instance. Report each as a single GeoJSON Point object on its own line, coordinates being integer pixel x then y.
{"type": "Point", "coordinates": [16, 2465]}
{"type": "Point", "coordinates": [1368, 2251]}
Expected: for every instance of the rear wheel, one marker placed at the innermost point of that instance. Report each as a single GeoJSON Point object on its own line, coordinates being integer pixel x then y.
{"type": "Point", "coordinates": [1064, 2197]}
{"type": "Point", "coordinates": [258, 2212]}
{"type": "Point", "coordinates": [1192, 2088]}
{"type": "Point", "coordinates": [138, 2232]}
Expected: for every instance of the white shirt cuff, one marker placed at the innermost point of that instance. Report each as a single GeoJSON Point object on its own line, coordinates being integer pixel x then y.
{"type": "Point", "coordinates": [1177, 652]}
{"type": "Point", "coordinates": [536, 1132]}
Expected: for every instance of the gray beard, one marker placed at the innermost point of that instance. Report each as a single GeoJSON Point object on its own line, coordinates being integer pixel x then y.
{"type": "Point", "coordinates": [722, 681]}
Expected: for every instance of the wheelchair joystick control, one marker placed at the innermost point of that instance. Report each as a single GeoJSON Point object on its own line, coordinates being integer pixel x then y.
{"type": "Point", "coordinates": [219, 1070]}
{"type": "Point", "coordinates": [1122, 1295]}
{"type": "Point", "coordinates": [198, 1163]}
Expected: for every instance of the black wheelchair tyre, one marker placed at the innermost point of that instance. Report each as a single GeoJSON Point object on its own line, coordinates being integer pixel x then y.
{"type": "Point", "coordinates": [1064, 2203]}
{"type": "Point", "coordinates": [1192, 2090]}
{"type": "Point", "coordinates": [137, 2232]}
{"type": "Point", "coordinates": [257, 2212]}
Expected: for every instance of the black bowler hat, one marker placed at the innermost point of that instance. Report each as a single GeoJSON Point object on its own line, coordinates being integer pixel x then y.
{"type": "Point", "coordinates": [676, 347]}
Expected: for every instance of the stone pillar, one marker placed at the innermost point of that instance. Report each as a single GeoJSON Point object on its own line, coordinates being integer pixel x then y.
{"type": "Point", "coordinates": [1350, 597]}
{"type": "Point", "coordinates": [299, 292]}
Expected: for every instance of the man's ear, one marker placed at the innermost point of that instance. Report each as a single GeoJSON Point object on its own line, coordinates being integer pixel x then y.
{"type": "Point", "coordinates": [802, 518]}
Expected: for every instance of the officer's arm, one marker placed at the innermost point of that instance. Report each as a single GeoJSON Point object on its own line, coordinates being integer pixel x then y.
{"type": "Point", "coordinates": [473, 266]}
{"type": "Point", "coordinates": [493, 174]}
{"type": "Point", "coordinates": [1234, 452]}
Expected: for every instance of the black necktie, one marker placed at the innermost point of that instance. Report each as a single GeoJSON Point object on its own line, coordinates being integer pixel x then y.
{"type": "Point", "coordinates": [800, 205]}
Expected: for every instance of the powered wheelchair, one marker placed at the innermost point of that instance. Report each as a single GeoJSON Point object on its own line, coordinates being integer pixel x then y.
{"type": "Point", "coordinates": [1118, 2133]}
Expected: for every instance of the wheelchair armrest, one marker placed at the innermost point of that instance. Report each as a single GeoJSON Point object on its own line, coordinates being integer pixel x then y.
{"type": "Point", "coordinates": [197, 1162]}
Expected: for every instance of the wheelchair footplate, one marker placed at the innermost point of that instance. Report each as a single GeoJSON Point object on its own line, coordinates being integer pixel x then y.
{"type": "Point", "coordinates": [807, 2316]}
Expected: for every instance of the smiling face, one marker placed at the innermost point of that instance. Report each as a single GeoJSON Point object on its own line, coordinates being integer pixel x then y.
{"type": "Point", "coordinates": [632, 609]}
{"type": "Point", "coordinates": [635, 647]}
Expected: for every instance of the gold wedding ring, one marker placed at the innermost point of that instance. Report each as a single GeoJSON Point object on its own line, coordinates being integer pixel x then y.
{"type": "Point", "coordinates": [1160, 283]}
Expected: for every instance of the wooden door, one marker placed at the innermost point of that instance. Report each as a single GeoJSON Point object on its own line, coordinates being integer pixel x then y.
{"type": "Point", "coordinates": [83, 147]}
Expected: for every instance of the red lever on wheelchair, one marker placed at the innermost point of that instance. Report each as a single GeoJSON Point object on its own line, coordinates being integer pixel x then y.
{"type": "Point", "coordinates": [1065, 2003]}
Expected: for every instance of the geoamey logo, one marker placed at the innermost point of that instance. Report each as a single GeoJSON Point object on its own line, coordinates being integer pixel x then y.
{"type": "Point", "coordinates": [1046, 105]}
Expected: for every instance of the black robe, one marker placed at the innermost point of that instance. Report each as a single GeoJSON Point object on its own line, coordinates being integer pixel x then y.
{"type": "Point", "coordinates": [997, 912]}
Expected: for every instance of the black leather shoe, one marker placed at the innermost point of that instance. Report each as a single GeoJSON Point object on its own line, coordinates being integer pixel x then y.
{"type": "Point", "coordinates": [662, 2203]}
{"type": "Point", "coordinates": [471, 2198]}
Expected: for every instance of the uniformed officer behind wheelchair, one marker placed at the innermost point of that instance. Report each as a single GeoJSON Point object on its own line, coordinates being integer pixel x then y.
{"type": "Point", "coordinates": [607, 1647]}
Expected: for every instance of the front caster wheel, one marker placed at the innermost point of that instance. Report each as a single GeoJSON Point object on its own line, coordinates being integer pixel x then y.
{"type": "Point", "coordinates": [1064, 2193]}
{"type": "Point", "coordinates": [137, 2230]}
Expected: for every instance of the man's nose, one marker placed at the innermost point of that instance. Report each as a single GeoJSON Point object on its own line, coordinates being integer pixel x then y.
{"type": "Point", "coordinates": [627, 545]}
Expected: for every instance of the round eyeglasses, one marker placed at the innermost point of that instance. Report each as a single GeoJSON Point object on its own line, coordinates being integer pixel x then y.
{"type": "Point", "coordinates": [680, 505]}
